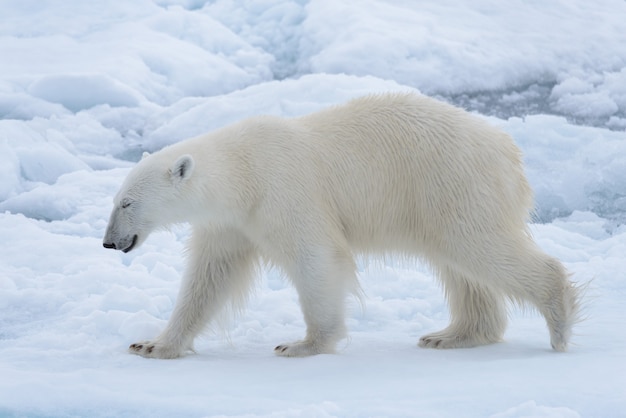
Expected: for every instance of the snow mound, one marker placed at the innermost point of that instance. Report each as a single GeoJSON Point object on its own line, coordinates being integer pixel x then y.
{"type": "Point", "coordinates": [82, 91]}
{"type": "Point", "coordinates": [571, 167]}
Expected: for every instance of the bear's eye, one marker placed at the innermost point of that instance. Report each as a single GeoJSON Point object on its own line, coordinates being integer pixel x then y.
{"type": "Point", "coordinates": [125, 203]}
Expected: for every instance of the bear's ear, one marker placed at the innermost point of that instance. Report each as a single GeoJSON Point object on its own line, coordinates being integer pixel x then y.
{"type": "Point", "coordinates": [182, 168]}
{"type": "Point", "coordinates": [145, 154]}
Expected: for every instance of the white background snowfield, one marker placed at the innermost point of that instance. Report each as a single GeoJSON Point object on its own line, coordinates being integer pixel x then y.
{"type": "Point", "coordinates": [86, 87]}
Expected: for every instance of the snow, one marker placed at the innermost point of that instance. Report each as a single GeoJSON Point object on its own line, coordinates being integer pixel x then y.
{"type": "Point", "coordinates": [86, 87]}
{"type": "Point", "coordinates": [78, 92]}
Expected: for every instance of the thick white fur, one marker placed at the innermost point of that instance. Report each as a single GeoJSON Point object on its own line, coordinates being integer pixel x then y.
{"type": "Point", "coordinates": [393, 173]}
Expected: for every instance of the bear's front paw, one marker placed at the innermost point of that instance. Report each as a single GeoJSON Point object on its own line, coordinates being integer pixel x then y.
{"type": "Point", "coordinates": [153, 349]}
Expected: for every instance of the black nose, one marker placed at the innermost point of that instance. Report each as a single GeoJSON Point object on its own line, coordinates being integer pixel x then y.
{"type": "Point", "coordinates": [107, 245]}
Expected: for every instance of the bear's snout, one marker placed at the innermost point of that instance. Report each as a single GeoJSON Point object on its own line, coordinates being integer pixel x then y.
{"type": "Point", "coordinates": [125, 245]}
{"type": "Point", "coordinates": [109, 245]}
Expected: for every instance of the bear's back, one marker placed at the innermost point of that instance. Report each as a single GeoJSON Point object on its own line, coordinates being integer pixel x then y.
{"type": "Point", "coordinates": [402, 163]}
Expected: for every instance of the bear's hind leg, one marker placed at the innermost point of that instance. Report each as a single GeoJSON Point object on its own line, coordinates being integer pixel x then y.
{"type": "Point", "coordinates": [477, 314]}
{"type": "Point", "coordinates": [543, 281]}
{"type": "Point", "coordinates": [323, 281]}
{"type": "Point", "coordinates": [517, 268]}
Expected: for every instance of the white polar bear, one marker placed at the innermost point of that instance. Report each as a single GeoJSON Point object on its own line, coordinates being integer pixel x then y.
{"type": "Point", "coordinates": [391, 173]}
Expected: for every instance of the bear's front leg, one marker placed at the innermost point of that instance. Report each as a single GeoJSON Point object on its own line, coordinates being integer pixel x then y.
{"type": "Point", "coordinates": [323, 280]}
{"type": "Point", "coordinates": [219, 272]}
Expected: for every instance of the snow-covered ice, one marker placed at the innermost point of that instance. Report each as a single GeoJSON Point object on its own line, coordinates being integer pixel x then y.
{"type": "Point", "coordinates": [86, 87]}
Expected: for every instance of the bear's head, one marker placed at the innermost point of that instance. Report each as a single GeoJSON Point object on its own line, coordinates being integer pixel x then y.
{"type": "Point", "coordinates": [152, 196]}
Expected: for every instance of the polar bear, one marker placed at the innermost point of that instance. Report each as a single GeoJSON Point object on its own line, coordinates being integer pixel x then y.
{"type": "Point", "coordinates": [382, 174]}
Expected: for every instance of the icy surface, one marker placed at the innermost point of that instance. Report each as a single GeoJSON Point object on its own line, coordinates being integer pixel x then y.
{"type": "Point", "coordinates": [86, 87]}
